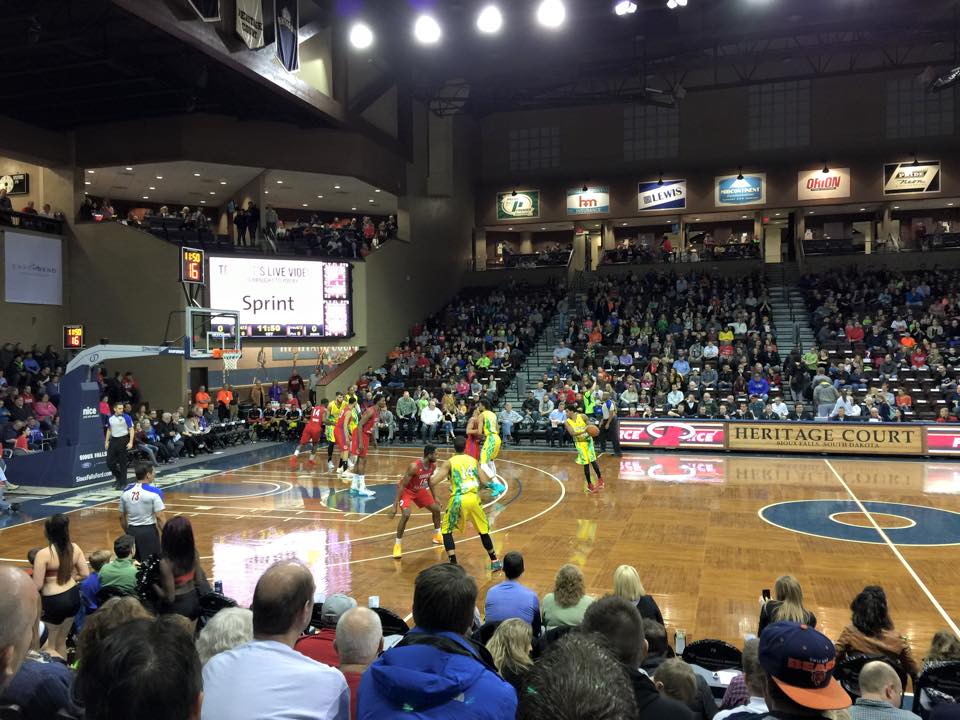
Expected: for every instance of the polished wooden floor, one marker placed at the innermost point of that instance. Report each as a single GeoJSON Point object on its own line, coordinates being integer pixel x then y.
{"type": "Point", "coordinates": [689, 523]}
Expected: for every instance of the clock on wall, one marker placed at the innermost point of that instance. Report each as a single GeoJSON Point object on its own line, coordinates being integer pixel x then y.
{"type": "Point", "coordinates": [15, 183]}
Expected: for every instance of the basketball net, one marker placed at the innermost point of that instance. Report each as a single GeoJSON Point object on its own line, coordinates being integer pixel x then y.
{"type": "Point", "coordinates": [230, 359]}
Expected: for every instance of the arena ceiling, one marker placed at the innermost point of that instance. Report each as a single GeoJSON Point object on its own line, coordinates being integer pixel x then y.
{"type": "Point", "coordinates": [69, 63]}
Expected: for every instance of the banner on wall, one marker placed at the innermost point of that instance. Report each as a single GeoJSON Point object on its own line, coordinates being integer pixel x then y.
{"type": "Point", "coordinates": [638, 433]}
{"type": "Point", "coordinates": [662, 195]}
{"type": "Point", "coordinates": [871, 438]}
{"type": "Point", "coordinates": [742, 189]}
{"type": "Point", "coordinates": [208, 10]}
{"type": "Point", "coordinates": [595, 200]}
{"type": "Point", "coordinates": [518, 204]}
{"type": "Point", "coordinates": [910, 178]}
{"type": "Point", "coordinates": [33, 271]}
{"type": "Point", "coordinates": [286, 23]}
{"type": "Point", "coordinates": [818, 185]}
{"type": "Point", "coordinates": [250, 22]}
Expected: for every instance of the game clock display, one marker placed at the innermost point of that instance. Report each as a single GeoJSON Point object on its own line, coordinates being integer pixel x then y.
{"type": "Point", "coordinates": [73, 337]}
{"type": "Point", "coordinates": [284, 299]}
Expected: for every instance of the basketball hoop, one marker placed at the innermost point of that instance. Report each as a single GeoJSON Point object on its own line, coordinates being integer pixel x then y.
{"type": "Point", "coordinates": [230, 359]}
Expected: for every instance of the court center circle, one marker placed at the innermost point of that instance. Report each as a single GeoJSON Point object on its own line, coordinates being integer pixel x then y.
{"type": "Point", "coordinates": [885, 520]}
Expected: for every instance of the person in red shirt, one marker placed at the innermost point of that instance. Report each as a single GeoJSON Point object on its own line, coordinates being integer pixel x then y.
{"type": "Point", "coordinates": [22, 443]}
{"type": "Point", "coordinates": [320, 646]}
{"type": "Point", "coordinates": [854, 332]}
{"type": "Point", "coordinates": [946, 416]}
{"type": "Point", "coordinates": [313, 433]}
{"type": "Point", "coordinates": [295, 384]}
{"type": "Point", "coordinates": [919, 359]}
{"type": "Point", "coordinates": [360, 442]}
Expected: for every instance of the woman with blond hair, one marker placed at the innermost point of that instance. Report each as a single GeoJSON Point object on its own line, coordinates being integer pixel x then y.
{"type": "Point", "coordinates": [510, 646]}
{"type": "Point", "coordinates": [627, 584]}
{"type": "Point", "coordinates": [568, 602]}
{"type": "Point", "coordinates": [788, 605]}
{"type": "Point", "coordinates": [943, 647]}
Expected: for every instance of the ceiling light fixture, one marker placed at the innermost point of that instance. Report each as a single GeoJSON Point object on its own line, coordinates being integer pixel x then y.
{"type": "Point", "coordinates": [319, 197]}
{"type": "Point", "coordinates": [146, 197]}
{"type": "Point", "coordinates": [674, 4]}
{"type": "Point", "coordinates": [826, 168]}
{"type": "Point", "coordinates": [159, 177]}
{"type": "Point", "coordinates": [916, 161]}
{"type": "Point", "coordinates": [625, 7]}
{"type": "Point", "coordinates": [863, 209]}
{"type": "Point", "coordinates": [353, 209]}
{"type": "Point", "coordinates": [660, 178]}
{"type": "Point", "coordinates": [203, 202]}
{"type": "Point", "coordinates": [584, 189]}
{"type": "Point", "coordinates": [87, 182]}
{"type": "Point", "coordinates": [514, 193]}
{"type": "Point", "coordinates": [129, 169]}
{"type": "Point", "coordinates": [427, 30]}
{"type": "Point", "coordinates": [377, 190]}
{"type": "Point", "coordinates": [212, 192]}
{"type": "Point", "coordinates": [336, 187]}
{"type": "Point", "coordinates": [490, 20]}
{"type": "Point", "coordinates": [91, 172]}
{"type": "Point", "coordinates": [151, 188]}
{"type": "Point", "coordinates": [196, 174]}
{"type": "Point", "coordinates": [740, 172]}
{"type": "Point", "coordinates": [279, 182]}
{"type": "Point", "coordinates": [361, 36]}
{"type": "Point", "coordinates": [223, 182]}
{"type": "Point", "coordinates": [551, 13]}
{"type": "Point", "coordinates": [304, 204]}
{"type": "Point", "coordinates": [371, 201]}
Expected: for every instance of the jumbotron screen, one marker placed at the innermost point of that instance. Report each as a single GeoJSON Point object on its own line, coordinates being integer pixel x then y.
{"type": "Point", "coordinates": [284, 298]}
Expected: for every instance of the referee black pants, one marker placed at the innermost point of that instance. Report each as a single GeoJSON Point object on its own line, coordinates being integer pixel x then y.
{"type": "Point", "coordinates": [117, 459]}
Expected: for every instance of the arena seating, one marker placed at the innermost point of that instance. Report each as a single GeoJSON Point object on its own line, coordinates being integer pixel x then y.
{"type": "Point", "coordinates": [478, 340]}
{"type": "Point", "coordinates": [862, 317]}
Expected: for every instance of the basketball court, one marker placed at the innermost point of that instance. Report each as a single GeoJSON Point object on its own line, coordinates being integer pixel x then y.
{"type": "Point", "coordinates": [707, 532]}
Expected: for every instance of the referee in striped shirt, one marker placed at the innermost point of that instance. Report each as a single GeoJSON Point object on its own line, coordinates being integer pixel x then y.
{"type": "Point", "coordinates": [118, 442]}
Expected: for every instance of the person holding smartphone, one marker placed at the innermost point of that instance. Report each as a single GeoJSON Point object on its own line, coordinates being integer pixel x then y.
{"type": "Point", "coordinates": [787, 605]}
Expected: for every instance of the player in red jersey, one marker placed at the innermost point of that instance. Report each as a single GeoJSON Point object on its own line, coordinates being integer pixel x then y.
{"type": "Point", "coordinates": [414, 489]}
{"type": "Point", "coordinates": [363, 435]}
{"type": "Point", "coordinates": [314, 432]}
{"type": "Point", "coordinates": [474, 434]}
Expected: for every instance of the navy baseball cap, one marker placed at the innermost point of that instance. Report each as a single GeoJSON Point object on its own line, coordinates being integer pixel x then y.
{"type": "Point", "coordinates": [801, 662]}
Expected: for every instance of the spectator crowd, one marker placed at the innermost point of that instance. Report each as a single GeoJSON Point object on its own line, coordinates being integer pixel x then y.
{"type": "Point", "coordinates": [142, 652]}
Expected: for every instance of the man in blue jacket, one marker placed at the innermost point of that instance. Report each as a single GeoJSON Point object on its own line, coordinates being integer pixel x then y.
{"type": "Point", "coordinates": [435, 672]}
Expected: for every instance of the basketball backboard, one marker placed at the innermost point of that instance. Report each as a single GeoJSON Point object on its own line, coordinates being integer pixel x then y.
{"type": "Point", "coordinates": [208, 330]}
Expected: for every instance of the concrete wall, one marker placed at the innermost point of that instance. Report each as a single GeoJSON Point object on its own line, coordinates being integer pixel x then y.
{"type": "Point", "coordinates": [123, 285]}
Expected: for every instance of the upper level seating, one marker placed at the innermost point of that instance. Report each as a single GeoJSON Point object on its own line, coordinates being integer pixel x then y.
{"type": "Point", "coordinates": [898, 328]}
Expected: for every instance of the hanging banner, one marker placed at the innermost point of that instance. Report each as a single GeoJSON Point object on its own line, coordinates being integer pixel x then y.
{"type": "Point", "coordinates": [33, 269]}
{"type": "Point", "coordinates": [911, 178]}
{"type": "Point", "coordinates": [250, 22]}
{"type": "Point", "coordinates": [518, 204]}
{"type": "Point", "coordinates": [208, 10]}
{"type": "Point", "coordinates": [742, 189]}
{"type": "Point", "coordinates": [286, 23]}
{"type": "Point", "coordinates": [817, 184]}
{"type": "Point", "coordinates": [662, 195]}
{"type": "Point", "coordinates": [595, 200]}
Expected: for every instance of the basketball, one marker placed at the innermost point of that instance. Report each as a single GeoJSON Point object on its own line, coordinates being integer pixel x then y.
{"type": "Point", "coordinates": [593, 431]}
{"type": "Point", "coordinates": [217, 353]}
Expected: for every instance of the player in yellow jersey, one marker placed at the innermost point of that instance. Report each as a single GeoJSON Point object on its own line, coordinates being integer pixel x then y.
{"type": "Point", "coordinates": [333, 414]}
{"type": "Point", "coordinates": [576, 426]}
{"type": "Point", "coordinates": [490, 446]}
{"type": "Point", "coordinates": [464, 505]}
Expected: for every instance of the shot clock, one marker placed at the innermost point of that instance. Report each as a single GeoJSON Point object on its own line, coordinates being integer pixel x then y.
{"type": "Point", "coordinates": [73, 337]}
{"type": "Point", "coordinates": [191, 266]}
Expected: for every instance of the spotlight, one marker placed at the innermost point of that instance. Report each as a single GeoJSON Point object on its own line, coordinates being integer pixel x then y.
{"type": "Point", "coordinates": [625, 7]}
{"type": "Point", "coordinates": [660, 178]}
{"type": "Point", "coordinates": [513, 194]}
{"type": "Point", "coordinates": [916, 161]}
{"type": "Point", "coordinates": [740, 173]}
{"type": "Point", "coordinates": [826, 169]}
{"type": "Point", "coordinates": [427, 30]}
{"type": "Point", "coordinates": [584, 188]}
{"type": "Point", "coordinates": [361, 36]}
{"type": "Point", "coordinates": [551, 13]}
{"type": "Point", "coordinates": [674, 4]}
{"type": "Point", "coordinates": [490, 20]}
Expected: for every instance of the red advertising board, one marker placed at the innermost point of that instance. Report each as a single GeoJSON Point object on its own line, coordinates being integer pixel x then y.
{"type": "Point", "coordinates": [635, 433]}
{"type": "Point", "coordinates": [943, 440]}
{"type": "Point", "coordinates": [670, 468]}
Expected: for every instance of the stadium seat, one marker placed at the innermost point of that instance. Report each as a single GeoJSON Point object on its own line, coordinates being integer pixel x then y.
{"type": "Point", "coordinates": [848, 671]}
{"type": "Point", "coordinates": [392, 623]}
{"type": "Point", "coordinates": [940, 682]}
{"type": "Point", "coordinates": [713, 655]}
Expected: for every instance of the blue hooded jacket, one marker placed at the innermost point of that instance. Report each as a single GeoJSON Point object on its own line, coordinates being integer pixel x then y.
{"type": "Point", "coordinates": [422, 681]}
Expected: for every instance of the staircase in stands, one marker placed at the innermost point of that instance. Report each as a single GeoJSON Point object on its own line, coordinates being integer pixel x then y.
{"type": "Point", "coordinates": [539, 359]}
{"type": "Point", "coordinates": [791, 323]}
